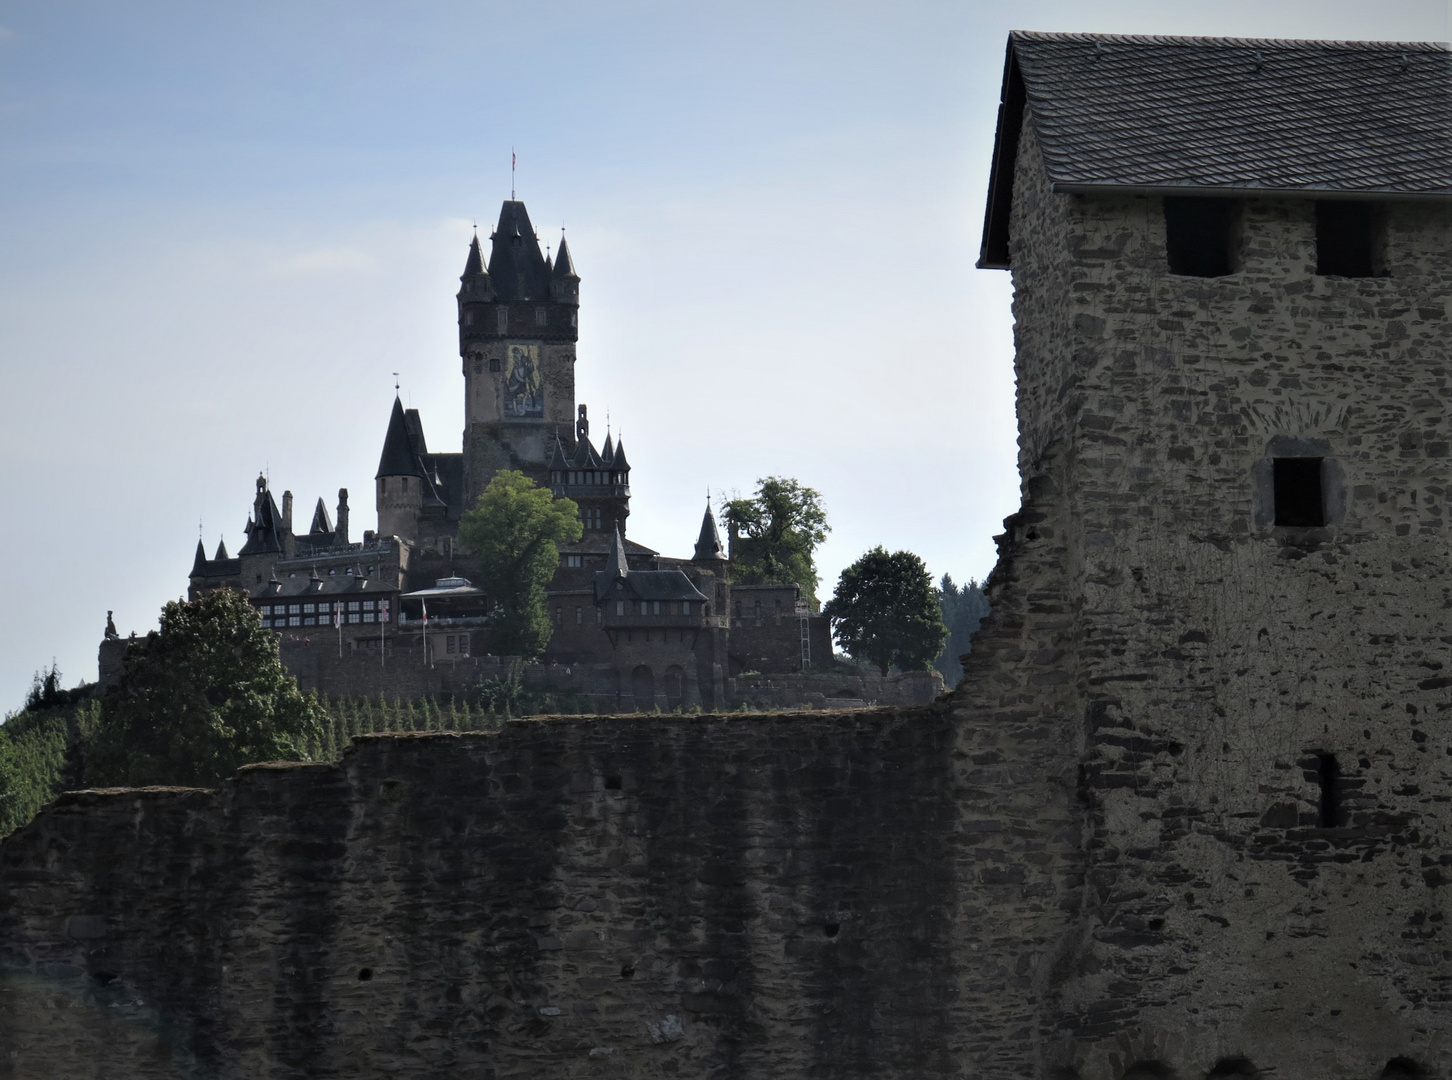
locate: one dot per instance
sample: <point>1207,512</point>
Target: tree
<point>886,611</point>
<point>964,608</point>
<point>775,533</point>
<point>513,530</point>
<point>200,697</point>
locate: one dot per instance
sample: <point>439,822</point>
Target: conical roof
<point>474,265</point>
<point>607,452</point>
<point>559,458</point>
<point>265,529</point>
<point>398,458</point>
<point>199,564</point>
<point>221,548</point>
<point>564,267</point>
<point>618,462</point>
<point>708,543</point>
<point>617,567</point>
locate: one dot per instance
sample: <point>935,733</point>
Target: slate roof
<point>1221,115</point>
<point>516,265</point>
<point>708,543</point>
<point>398,458</point>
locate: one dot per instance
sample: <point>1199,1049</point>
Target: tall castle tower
<point>518,324</point>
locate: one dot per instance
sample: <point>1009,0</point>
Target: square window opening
<point>1330,814</point>
<point>1300,502</point>
<point>1348,239</point>
<point>1201,236</point>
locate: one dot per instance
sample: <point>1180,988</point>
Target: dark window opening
<point>1346,239</point>
<point>627,971</point>
<point>613,783</point>
<point>832,929</point>
<point>1200,236</point>
<point>1401,1068</point>
<point>364,974</point>
<point>1149,1070</point>
<point>1298,496</point>
<point>1233,1068</point>
<point>1328,776</point>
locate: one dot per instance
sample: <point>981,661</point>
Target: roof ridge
<point>1229,42</point>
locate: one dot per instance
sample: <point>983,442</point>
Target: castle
<point>659,632</point>
<point>1187,815</point>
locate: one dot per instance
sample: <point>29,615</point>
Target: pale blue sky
<point>223,226</point>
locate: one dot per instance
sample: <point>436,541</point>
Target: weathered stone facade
<point>1187,815</point>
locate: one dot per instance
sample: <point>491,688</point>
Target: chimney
<point>341,530</point>
<point>287,510</point>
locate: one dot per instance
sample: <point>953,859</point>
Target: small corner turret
<point>564,282</point>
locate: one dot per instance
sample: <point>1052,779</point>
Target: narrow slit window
<point>1298,494</point>
<point>1200,236</point>
<point>1346,239</point>
<point>1328,777</point>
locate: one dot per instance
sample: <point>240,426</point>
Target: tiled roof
<point>1111,112</point>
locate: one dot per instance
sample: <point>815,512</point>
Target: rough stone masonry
<point>1187,815</point>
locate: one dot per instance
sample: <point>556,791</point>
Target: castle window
<point>540,316</point>
<point>405,484</point>
<point>1298,496</point>
<point>574,318</point>
<point>369,616</point>
<point>685,607</point>
<point>573,560</point>
<point>655,607</point>
<point>620,607</point>
<point>559,617</point>
<point>294,620</point>
<point>1346,239</point>
<point>449,645</point>
<point>1328,776</point>
<point>352,605</point>
<point>1200,236</point>
<point>294,609</point>
<point>382,490</point>
<point>309,609</point>
<point>369,605</point>
<point>579,616</point>
<point>468,318</point>
<point>737,609</point>
<point>503,316</point>
<point>495,365</point>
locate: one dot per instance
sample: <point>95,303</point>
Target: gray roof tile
<point>1367,118</point>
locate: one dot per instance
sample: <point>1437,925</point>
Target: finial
<point>513,163</point>
<point>199,528</point>
<point>395,382</point>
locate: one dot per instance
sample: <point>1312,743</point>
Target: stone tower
<point>598,481</point>
<point>1232,291</point>
<point>518,324</point>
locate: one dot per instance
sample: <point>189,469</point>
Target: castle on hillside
<point>662,631</point>
<point>1187,816</point>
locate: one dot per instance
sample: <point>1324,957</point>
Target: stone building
<point>1188,814</point>
<point>518,324</point>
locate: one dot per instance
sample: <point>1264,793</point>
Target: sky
<point>224,226</point>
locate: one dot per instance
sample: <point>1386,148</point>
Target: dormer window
<point>1200,236</point>
<point>1347,239</point>
<point>405,485</point>
<point>468,318</point>
<point>541,316</point>
<point>502,314</point>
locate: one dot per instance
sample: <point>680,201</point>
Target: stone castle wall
<point>1108,847</point>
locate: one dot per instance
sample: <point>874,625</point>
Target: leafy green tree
<point>886,611</point>
<point>514,530</point>
<point>200,697</point>
<point>964,608</point>
<point>775,533</point>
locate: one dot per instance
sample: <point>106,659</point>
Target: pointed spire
<point>564,264</point>
<point>321,522</point>
<point>398,457</point>
<point>199,564</point>
<point>617,567</point>
<point>559,458</point>
<point>474,265</point>
<point>607,453</point>
<point>620,464</point>
<point>708,543</point>
<point>221,548</point>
